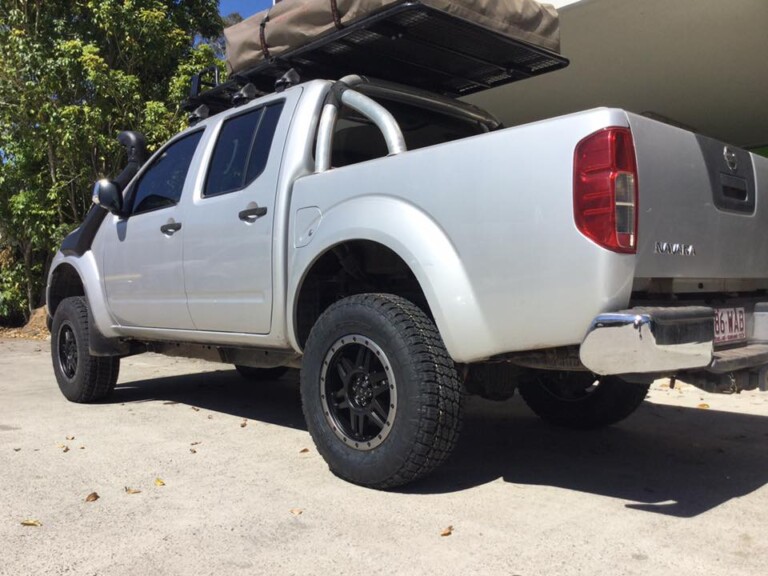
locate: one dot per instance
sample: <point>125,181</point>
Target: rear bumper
<point>650,340</point>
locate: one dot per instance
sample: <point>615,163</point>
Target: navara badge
<point>674,249</point>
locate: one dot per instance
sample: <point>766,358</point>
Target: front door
<point>142,257</point>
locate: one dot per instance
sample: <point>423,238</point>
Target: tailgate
<point>701,215</point>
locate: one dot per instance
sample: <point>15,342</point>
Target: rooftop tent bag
<point>400,40</point>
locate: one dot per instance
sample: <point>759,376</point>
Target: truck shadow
<point>664,459</point>
<point>277,402</point>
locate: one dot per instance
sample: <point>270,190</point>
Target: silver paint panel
<point>486,225</point>
<point>676,206</point>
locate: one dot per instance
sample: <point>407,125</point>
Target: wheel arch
<point>79,276</point>
<point>416,246</point>
<point>65,282</point>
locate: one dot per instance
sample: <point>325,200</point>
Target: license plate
<point>730,325</point>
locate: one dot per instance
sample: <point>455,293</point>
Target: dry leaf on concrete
<point>65,449</point>
<point>31,523</point>
<point>70,437</point>
<point>244,423</point>
<point>159,482</point>
<point>703,406</point>
<point>297,511</point>
<point>303,450</point>
<point>132,491</point>
<point>447,531</point>
<point>192,451</point>
<point>92,497</point>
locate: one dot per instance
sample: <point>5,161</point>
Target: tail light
<point>605,189</point>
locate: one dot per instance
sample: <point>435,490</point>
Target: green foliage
<point>73,74</point>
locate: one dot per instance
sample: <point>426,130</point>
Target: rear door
<point>228,247</point>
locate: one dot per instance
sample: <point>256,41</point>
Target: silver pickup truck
<point>402,248</point>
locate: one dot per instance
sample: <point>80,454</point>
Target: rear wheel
<point>581,400</point>
<point>381,396</point>
<point>81,377</point>
<point>260,374</point>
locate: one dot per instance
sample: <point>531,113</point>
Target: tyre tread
<point>440,392</point>
<point>100,373</point>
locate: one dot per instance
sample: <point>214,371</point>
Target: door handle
<point>251,214</point>
<point>170,228</point>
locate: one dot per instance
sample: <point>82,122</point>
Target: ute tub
<point>648,340</point>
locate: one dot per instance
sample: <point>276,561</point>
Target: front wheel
<point>581,400</point>
<point>81,377</point>
<point>381,395</point>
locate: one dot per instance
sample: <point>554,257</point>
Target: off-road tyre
<point>581,400</point>
<point>260,374</point>
<point>389,357</point>
<point>81,377</point>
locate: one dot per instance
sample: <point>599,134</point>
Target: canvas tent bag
<point>293,23</point>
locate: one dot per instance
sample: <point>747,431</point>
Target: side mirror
<point>107,195</point>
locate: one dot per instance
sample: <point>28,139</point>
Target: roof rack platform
<point>410,43</point>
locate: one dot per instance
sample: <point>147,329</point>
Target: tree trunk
<point>29,280</point>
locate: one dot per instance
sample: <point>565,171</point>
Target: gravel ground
<point>678,488</point>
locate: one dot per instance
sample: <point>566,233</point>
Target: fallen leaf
<point>169,402</point>
<point>447,531</point>
<point>703,405</point>
<point>210,416</point>
<point>92,497</point>
<point>244,423</point>
<point>159,482</point>
<point>303,450</point>
<point>17,449</point>
<point>132,491</point>
<point>31,523</point>
<point>70,437</point>
<point>297,511</point>
<point>193,451</point>
<point>195,443</point>
<point>195,408</point>
<point>65,449</point>
<point>82,447</point>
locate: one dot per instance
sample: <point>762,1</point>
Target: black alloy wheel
<point>381,396</point>
<point>81,376</point>
<point>358,392</point>
<point>67,350</point>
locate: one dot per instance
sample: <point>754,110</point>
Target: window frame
<point>262,108</point>
<point>129,199</point>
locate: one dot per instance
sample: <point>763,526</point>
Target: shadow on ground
<point>664,459</point>
<point>223,391</point>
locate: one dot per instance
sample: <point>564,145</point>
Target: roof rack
<point>411,44</point>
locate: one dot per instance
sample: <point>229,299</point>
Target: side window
<point>242,150</point>
<point>163,182</point>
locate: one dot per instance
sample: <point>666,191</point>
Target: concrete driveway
<point>679,488</point>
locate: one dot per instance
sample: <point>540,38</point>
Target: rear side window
<point>163,182</point>
<point>242,150</point>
